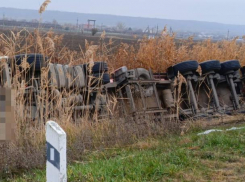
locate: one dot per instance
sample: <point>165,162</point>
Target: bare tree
<point>55,22</point>
<point>121,26</point>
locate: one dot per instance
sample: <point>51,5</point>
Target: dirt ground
<point>76,40</point>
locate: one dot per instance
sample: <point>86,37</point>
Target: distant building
<point>240,41</point>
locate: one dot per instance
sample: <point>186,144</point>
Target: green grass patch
<point>218,156</point>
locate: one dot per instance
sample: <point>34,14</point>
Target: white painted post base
<point>56,153</point>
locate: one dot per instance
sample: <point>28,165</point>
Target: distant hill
<point>133,22</point>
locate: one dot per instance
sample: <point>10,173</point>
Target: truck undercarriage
<point>47,89</point>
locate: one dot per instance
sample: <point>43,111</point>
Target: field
<point>76,40</point>
<point>71,40</point>
<point>214,157</point>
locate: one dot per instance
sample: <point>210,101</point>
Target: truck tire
<point>232,65</point>
<point>211,65</point>
<point>80,81</point>
<point>61,75</point>
<point>36,61</point>
<point>52,76</point>
<point>68,76</point>
<point>143,74</point>
<point>100,67</point>
<point>70,72</point>
<point>243,70</point>
<point>170,73</point>
<point>105,78</point>
<point>185,66</point>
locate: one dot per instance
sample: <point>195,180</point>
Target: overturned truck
<point>217,91</point>
<point>49,90</point>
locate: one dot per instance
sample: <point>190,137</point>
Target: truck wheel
<point>232,65</point>
<point>170,73</point>
<point>104,76</point>
<point>60,73</point>
<point>243,71</point>
<point>185,67</point>
<point>211,65</point>
<point>80,81</point>
<point>54,80</point>
<point>99,67</point>
<point>36,61</point>
<point>143,74</point>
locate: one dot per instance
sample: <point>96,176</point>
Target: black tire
<point>170,73</point>
<point>99,67</point>
<point>185,67</point>
<point>105,78</point>
<point>36,61</point>
<point>232,65</point>
<point>243,70</point>
<point>211,65</point>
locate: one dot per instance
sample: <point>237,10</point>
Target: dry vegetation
<point>160,53</point>
<point>157,54</point>
<point>87,133</point>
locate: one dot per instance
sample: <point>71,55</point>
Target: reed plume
<point>44,6</point>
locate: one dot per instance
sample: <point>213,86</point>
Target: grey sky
<point>223,11</point>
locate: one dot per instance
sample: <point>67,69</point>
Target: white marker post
<point>56,153</point>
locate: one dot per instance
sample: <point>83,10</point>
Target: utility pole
<point>228,34</point>
<point>171,31</point>
<point>77,25</point>
<point>3,18</point>
<point>147,30</point>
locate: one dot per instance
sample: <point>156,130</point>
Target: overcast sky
<point>222,11</point>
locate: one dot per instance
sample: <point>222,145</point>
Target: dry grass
<point>44,6</point>
<point>88,132</point>
<point>218,156</point>
<point>160,53</point>
<point>157,54</point>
